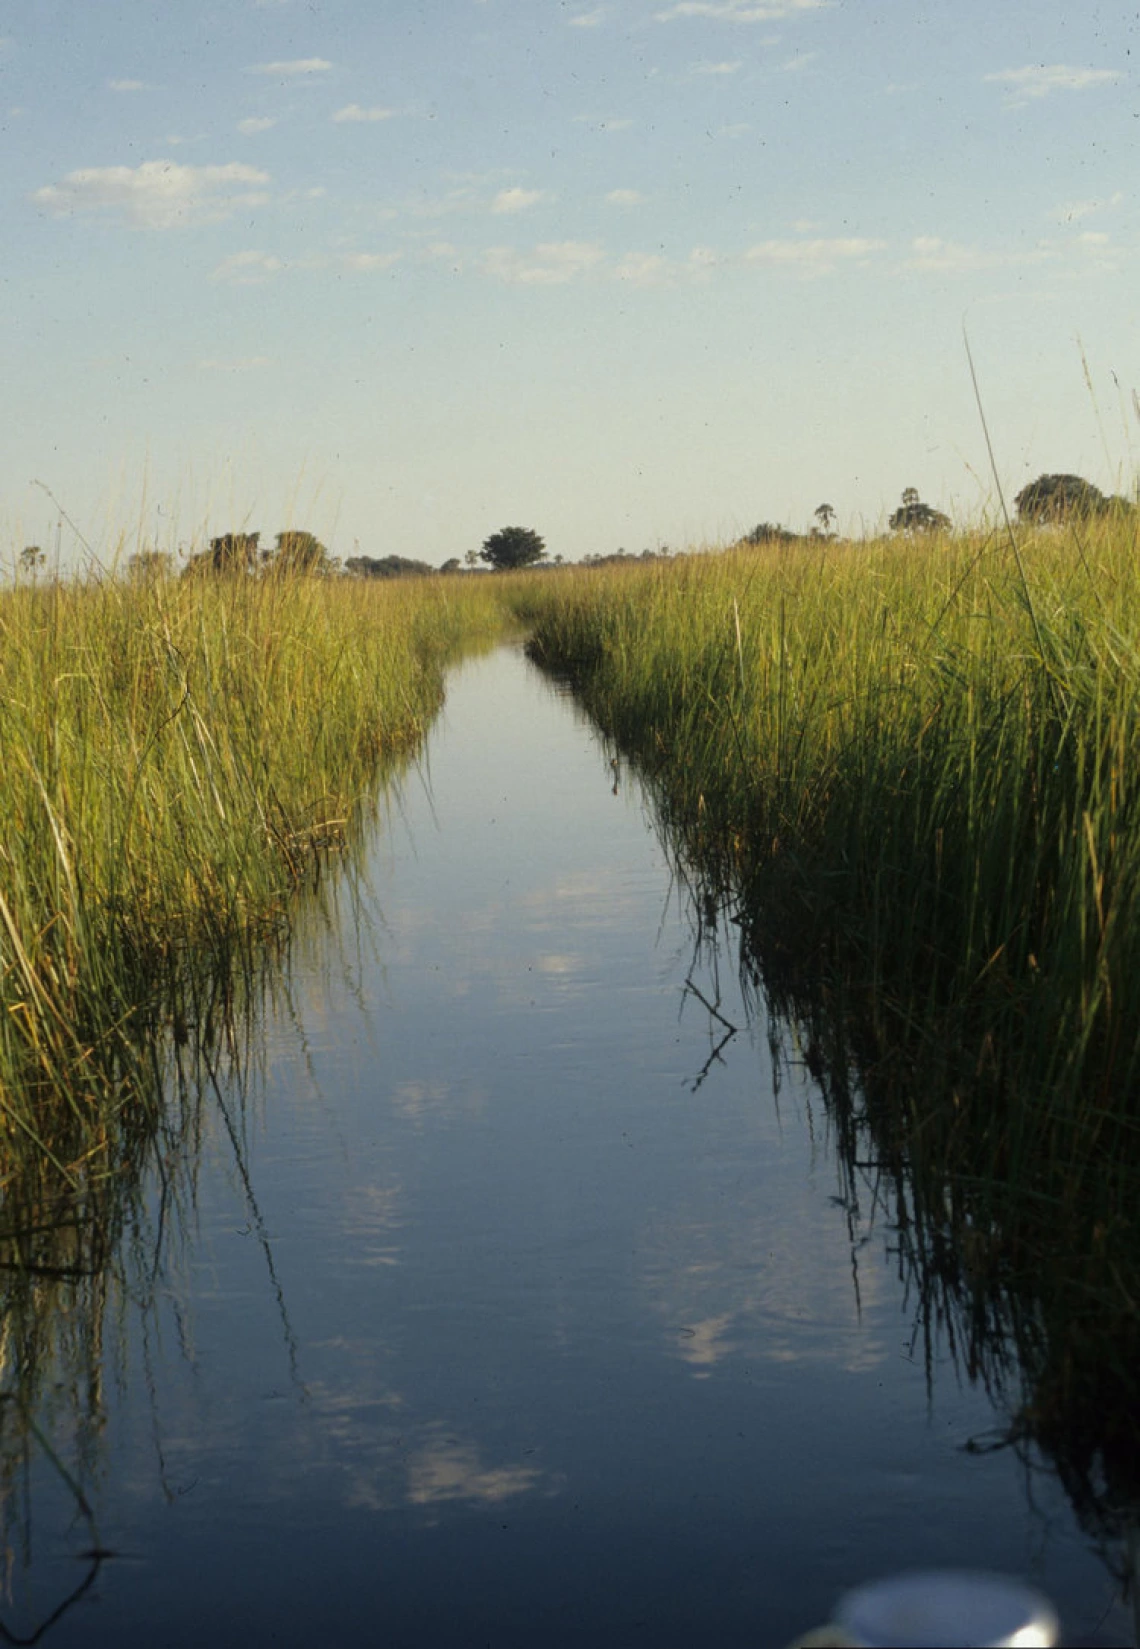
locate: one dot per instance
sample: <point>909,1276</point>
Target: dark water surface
<point>530,1335</point>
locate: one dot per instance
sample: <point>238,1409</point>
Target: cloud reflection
<point>763,1293</point>
<point>446,1470</point>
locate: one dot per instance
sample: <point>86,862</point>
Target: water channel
<point>511,1299</point>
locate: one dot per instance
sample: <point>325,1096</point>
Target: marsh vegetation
<point>908,772</point>
<point>179,756</point>
<point>901,773</point>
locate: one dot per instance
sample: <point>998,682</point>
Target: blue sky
<point>632,272</point>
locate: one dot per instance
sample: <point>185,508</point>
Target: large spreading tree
<point>1060,498</point>
<point>300,552</point>
<point>914,516</point>
<point>511,548</point>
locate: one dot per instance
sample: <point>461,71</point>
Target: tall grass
<point>915,763</point>
<point>180,758</point>
<point>178,755</point>
<point>923,750</point>
<point>910,771</point>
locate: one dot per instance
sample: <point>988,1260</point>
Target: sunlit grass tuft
<point>178,755</point>
<point>918,757</point>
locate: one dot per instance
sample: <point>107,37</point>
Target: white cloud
<point>293,66</point>
<point>437,251</point>
<point>159,194</point>
<point>800,61</point>
<point>1037,80</point>
<point>813,257</point>
<point>739,11</point>
<point>365,262</point>
<point>255,123</point>
<point>353,112</point>
<point>718,68</point>
<point>588,19</point>
<point>465,197</point>
<point>1098,251</point>
<point>625,197</point>
<point>516,200</point>
<point>933,255</point>
<point>1073,211</point>
<point>236,363</point>
<point>645,269</point>
<point>247,268</point>
<point>653,269</point>
<point>553,263</point>
<point>620,123</point>
<point>931,252</point>
<point>126,85</point>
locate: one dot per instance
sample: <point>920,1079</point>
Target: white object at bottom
<point>947,1609</point>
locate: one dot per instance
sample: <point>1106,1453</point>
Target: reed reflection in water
<point>1012,1287</point>
<point>485,1285</point>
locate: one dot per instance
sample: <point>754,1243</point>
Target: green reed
<point>909,772</point>
<point>178,756</point>
<point>919,757</point>
<point>181,758</point>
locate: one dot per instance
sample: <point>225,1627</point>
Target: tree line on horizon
<point>1049,500</point>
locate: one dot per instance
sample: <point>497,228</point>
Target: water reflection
<point>505,1273</point>
<point>1033,1301</point>
<point>447,1469</point>
<point>81,1248</point>
<point>99,1245</point>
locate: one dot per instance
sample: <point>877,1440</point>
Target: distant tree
<point>231,554</point>
<point>387,566</point>
<point>234,552</point>
<point>301,552</point>
<point>767,532</point>
<point>511,548</point>
<point>472,560</point>
<point>825,515</point>
<point>150,565</point>
<point>31,559</point>
<point>452,565</point>
<point>915,516</point>
<point>1061,498</point>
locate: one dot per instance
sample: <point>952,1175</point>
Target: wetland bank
<point>558,1211</point>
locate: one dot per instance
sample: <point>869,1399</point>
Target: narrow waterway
<point>508,1302</point>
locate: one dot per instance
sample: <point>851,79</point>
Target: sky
<point>630,274</point>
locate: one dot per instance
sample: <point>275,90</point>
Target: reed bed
<point>926,748</point>
<point>910,768</point>
<point>179,756</point>
<point>181,760</point>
